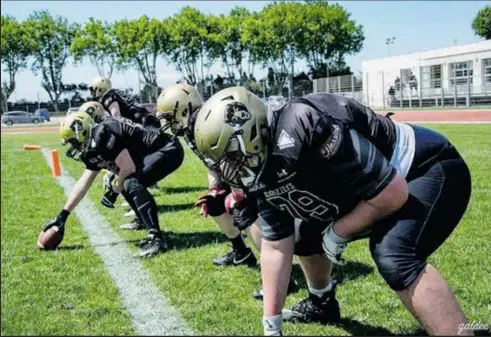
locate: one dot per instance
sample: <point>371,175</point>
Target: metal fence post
<point>368,99</point>
<point>339,84</point>
<point>443,94</point>
<point>420,91</point>
<point>401,95</point>
<point>352,85</point>
<point>383,89</point>
<point>327,84</point>
<point>315,85</point>
<point>468,96</point>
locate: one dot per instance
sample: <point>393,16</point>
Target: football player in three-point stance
<point>116,103</point>
<point>349,174</point>
<point>139,156</point>
<point>177,107</point>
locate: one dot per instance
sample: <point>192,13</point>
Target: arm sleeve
<point>110,97</point>
<point>359,167</point>
<point>275,225</point>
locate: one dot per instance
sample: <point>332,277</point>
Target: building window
<point>487,71</point>
<point>459,72</point>
<point>432,76</point>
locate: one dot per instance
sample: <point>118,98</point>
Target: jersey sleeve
<point>110,144</point>
<point>359,167</point>
<point>299,127</point>
<point>275,224</point>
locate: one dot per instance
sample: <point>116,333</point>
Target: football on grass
<point>50,239</point>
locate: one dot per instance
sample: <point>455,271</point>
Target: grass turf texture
<point>49,293</point>
<point>216,300</point>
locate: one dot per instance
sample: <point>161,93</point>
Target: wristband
<point>63,215</point>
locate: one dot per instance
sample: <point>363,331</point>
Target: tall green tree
<point>15,49</point>
<point>273,37</point>
<point>232,48</point>
<point>195,43</point>
<point>138,43</point>
<point>50,40</point>
<point>482,23</point>
<point>329,35</point>
<point>94,41</point>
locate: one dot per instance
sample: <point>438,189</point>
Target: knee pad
<point>399,269</point>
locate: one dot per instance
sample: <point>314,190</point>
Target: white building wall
<point>379,75</point>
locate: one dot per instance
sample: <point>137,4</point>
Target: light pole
<point>388,42</point>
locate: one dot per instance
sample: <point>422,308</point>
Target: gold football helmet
<point>75,131</point>
<point>231,131</point>
<point>99,86</point>
<point>175,105</point>
<point>94,109</point>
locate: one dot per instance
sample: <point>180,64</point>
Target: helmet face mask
<point>75,131</point>
<point>231,131</point>
<point>239,168</point>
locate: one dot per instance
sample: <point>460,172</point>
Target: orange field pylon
<point>55,163</point>
<point>28,147</point>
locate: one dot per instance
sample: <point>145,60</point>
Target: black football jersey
<point>128,107</point>
<point>114,134</point>
<point>327,154</point>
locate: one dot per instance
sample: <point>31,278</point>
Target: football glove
<point>212,203</point>
<point>334,245</point>
<point>107,181</point>
<point>272,325</point>
<point>234,200</point>
<point>245,214</point>
<point>59,221</point>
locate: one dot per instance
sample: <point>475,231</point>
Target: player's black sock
<point>145,204</point>
<point>238,243</point>
<point>132,205</point>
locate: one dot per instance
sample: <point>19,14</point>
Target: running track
<point>437,116</point>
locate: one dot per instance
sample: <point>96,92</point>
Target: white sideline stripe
<point>151,312</point>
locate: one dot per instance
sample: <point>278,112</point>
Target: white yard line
<point>151,312</point>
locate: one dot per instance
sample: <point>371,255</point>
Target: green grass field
<point>68,291</point>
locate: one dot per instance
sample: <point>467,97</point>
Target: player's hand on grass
<point>212,203</point>
<point>334,246</point>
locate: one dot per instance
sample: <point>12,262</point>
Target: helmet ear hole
<point>253,133</point>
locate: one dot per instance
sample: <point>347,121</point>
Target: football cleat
<point>152,245</point>
<point>236,258</point>
<point>316,309</point>
<point>129,214</point>
<point>134,225</point>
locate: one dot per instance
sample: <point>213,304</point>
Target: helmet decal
<point>236,114</point>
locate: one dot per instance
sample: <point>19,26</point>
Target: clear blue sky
<point>416,25</point>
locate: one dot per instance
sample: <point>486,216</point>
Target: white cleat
<point>130,214</point>
<point>125,204</point>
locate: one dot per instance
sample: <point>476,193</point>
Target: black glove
<point>245,213</point>
<point>212,203</point>
<point>59,221</point>
<point>109,198</point>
